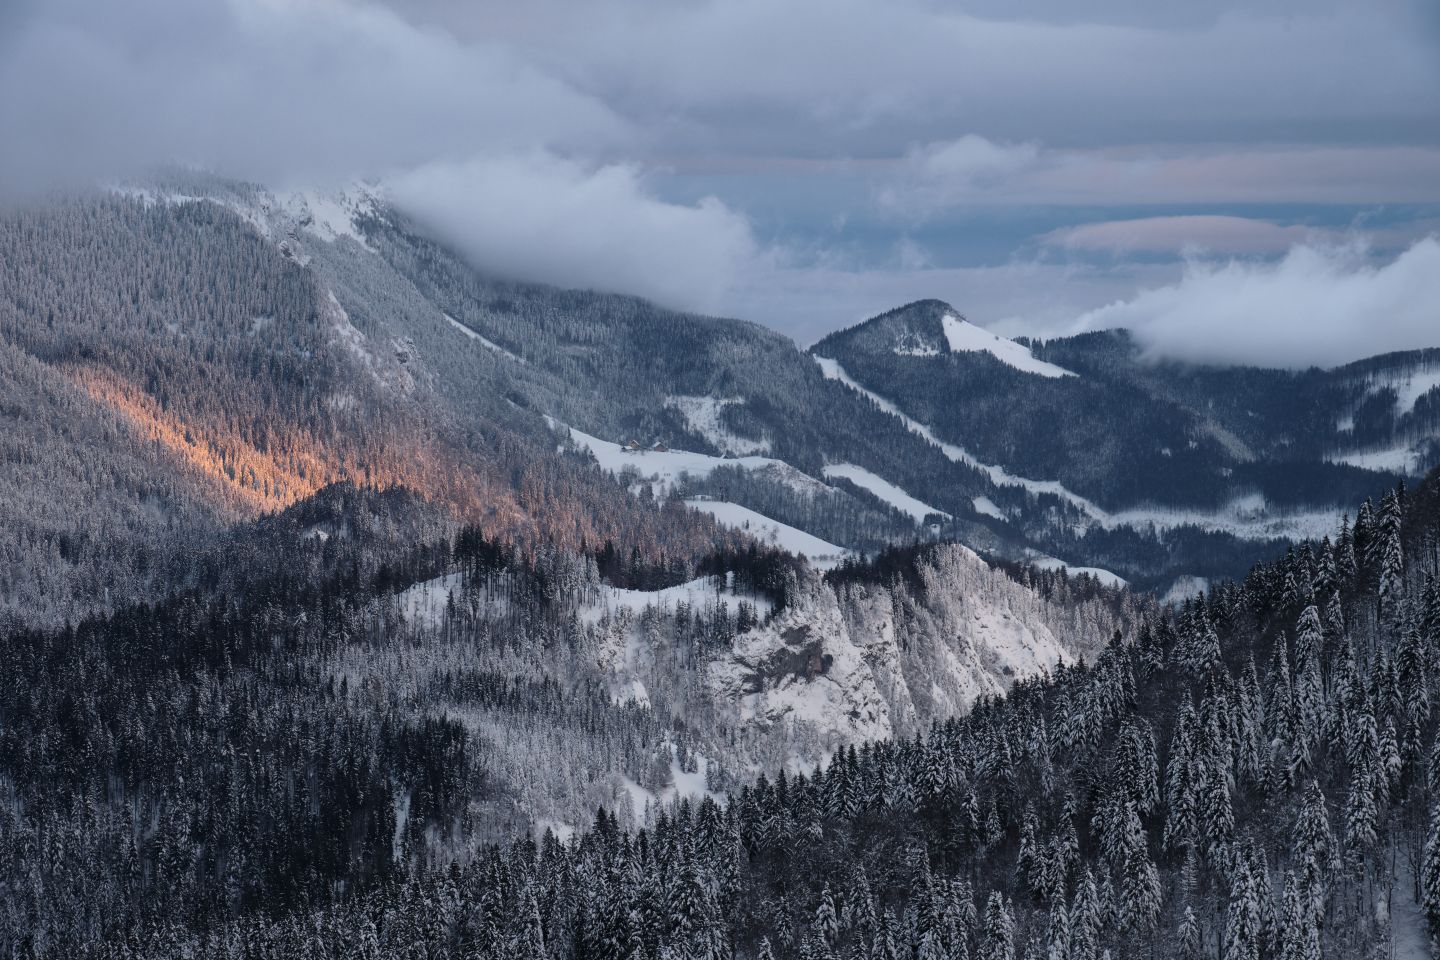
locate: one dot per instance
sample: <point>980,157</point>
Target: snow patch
<point>664,468</point>
<point>562,831</point>
<point>821,553</point>
<point>1184,588</point>
<point>683,784</point>
<point>884,489</point>
<point>427,603</point>
<point>986,507</point>
<point>965,337</point>
<point>1402,458</point>
<point>330,216</point>
<point>1416,385</point>
<point>1099,573</point>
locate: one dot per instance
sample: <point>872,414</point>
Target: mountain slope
<point>175,369</point>
<point>197,351</point>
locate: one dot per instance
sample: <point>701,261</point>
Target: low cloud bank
<point>1315,306</point>
<point>535,216</point>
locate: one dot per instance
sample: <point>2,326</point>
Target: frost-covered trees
<point>326,754</point>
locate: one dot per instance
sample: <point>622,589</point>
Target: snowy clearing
<point>986,507</point>
<point>774,532</point>
<point>883,489</point>
<point>562,831</point>
<point>1409,385</point>
<point>1184,588</point>
<point>1397,459</point>
<point>702,415</point>
<point>1419,383</point>
<point>427,603</point>
<point>330,216</point>
<point>663,468</point>
<point>691,786</point>
<point>965,337</point>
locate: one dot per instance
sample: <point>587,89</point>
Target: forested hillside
<point>328,706</point>
<point>173,369</point>
<point>1249,775</point>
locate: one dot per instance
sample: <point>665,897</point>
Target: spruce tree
<point>998,941</point>
<point>1242,920</point>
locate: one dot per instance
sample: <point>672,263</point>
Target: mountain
<point>171,368</point>
<point>194,352</point>
<point>1104,437</point>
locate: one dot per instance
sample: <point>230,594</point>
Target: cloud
<point>536,216</point>
<point>942,174</point>
<point>974,171</point>
<point>1206,234</point>
<point>297,90</point>
<point>1316,306</point>
<point>1020,297</point>
<point>799,77</point>
<point>1173,235</point>
<point>801,112</point>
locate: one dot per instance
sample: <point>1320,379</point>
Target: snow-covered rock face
<point>832,669</point>
<point>971,632</point>
<point>803,670</point>
<point>883,660</point>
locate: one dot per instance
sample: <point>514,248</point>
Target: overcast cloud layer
<point>808,162</point>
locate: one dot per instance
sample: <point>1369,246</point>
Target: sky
<point>1252,181</point>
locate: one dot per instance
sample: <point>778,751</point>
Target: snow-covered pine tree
<point>1188,938</point>
<point>998,940</point>
<point>1243,928</point>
